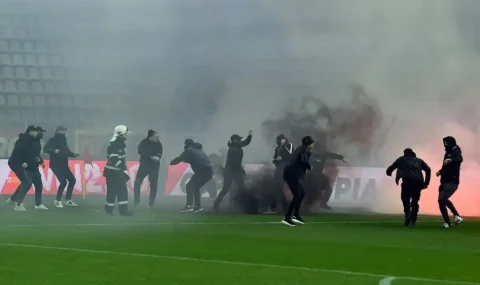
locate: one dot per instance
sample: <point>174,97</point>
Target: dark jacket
<point>116,155</point>
<point>285,152</point>
<point>196,157</point>
<point>299,163</point>
<point>450,172</point>
<point>60,159</point>
<point>27,149</point>
<point>148,148</point>
<point>409,169</point>
<point>319,159</point>
<point>235,155</point>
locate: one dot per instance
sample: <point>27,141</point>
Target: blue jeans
<point>27,178</point>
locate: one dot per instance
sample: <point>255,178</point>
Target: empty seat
<point>28,47</point>
<point>4,46</point>
<point>18,59</point>
<point>75,73</point>
<point>56,60</point>
<point>59,73</point>
<point>16,46</point>
<point>54,117</point>
<point>63,88</point>
<point>1,87</point>
<point>49,87</point>
<point>39,101</point>
<point>47,73</point>
<point>53,102</point>
<point>7,32</point>
<point>75,88</point>
<point>28,116</point>
<point>8,72</point>
<point>37,87</point>
<point>66,102</point>
<point>20,72</point>
<point>5,59</point>
<point>41,117</point>
<point>34,73</point>
<point>20,33</point>
<point>3,101</point>
<point>41,48</point>
<point>43,60</point>
<point>23,87</point>
<point>30,59</point>
<point>26,101</point>
<point>12,101</point>
<point>10,86</point>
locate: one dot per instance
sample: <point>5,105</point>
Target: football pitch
<point>83,246</point>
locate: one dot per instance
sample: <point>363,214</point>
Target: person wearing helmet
<point>233,167</point>
<point>282,155</point>
<point>450,178</point>
<point>201,165</point>
<point>294,174</point>
<point>409,169</point>
<point>114,172</point>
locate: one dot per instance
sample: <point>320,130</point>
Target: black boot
<point>123,208</point>
<point>109,210</point>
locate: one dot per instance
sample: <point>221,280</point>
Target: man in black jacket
<point>59,152</point>
<point>282,155</point>
<point>409,169</point>
<point>201,165</point>
<point>233,167</point>
<point>150,150</point>
<point>294,174</point>
<point>450,178</point>
<point>24,162</point>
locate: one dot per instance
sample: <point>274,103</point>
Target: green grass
<point>68,247</point>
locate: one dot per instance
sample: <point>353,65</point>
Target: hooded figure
<point>201,166</point>
<point>282,154</point>
<point>59,152</point>
<point>294,174</point>
<point>150,150</point>
<point>449,180</point>
<point>409,169</point>
<point>233,167</point>
<point>114,172</point>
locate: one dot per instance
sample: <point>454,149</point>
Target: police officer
<point>233,167</point>
<point>409,169</point>
<point>281,156</point>
<point>450,178</point>
<point>202,172</point>
<point>150,150</point>
<point>294,174</point>
<point>114,172</point>
<point>59,153</point>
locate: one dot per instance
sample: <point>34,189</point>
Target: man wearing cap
<point>409,169</point>
<point>201,165</point>
<point>59,152</point>
<point>233,167</point>
<point>24,162</point>
<point>294,174</point>
<point>150,150</point>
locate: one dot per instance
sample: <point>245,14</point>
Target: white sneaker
<point>9,201</point>
<point>458,219</point>
<point>41,207</point>
<point>70,203</point>
<point>58,204</point>
<point>446,226</point>
<point>20,208</point>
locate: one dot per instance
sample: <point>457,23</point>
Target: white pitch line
<point>387,281</point>
<point>238,263</point>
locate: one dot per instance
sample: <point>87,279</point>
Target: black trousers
<point>64,176</point>
<point>445,192</point>
<point>27,178</point>
<point>152,173</point>
<point>229,177</point>
<point>116,191</point>
<point>298,192</point>
<point>411,192</point>
<point>193,186</point>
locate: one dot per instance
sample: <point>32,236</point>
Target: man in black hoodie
<point>450,178</point>
<point>409,169</point>
<point>150,150</point>
<point>294,174</point>
<point>59,152</point>
<point>282,155</point>
<point>201,165</point>
<point>24,162</point>
<point>233,167</point>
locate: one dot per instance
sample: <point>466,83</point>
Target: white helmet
<point>120,131</point>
